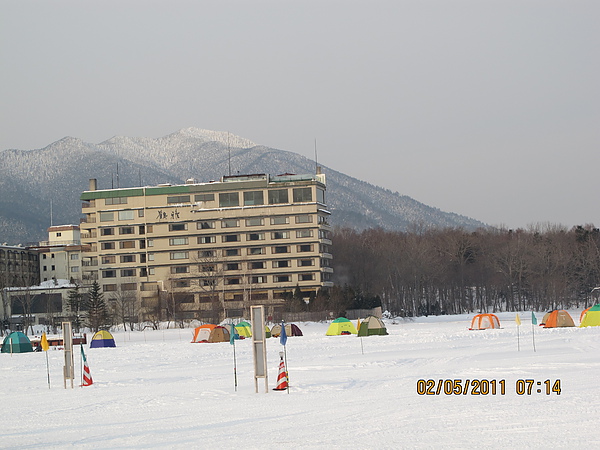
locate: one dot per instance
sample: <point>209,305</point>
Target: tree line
<point>455,271</point>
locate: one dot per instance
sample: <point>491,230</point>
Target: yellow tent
<point>341,325</point>
<point>592,317</point>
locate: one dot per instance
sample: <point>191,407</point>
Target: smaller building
<point>44,304</point>
<point>60,255</point>
<point>18,266</point>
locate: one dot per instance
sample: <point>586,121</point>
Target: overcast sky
<point>489,109</point>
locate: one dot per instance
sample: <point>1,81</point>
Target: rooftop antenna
<point>140,175</point>
<point>51,220</point>
<point>118,176</point>
<point>112,180</point>
<point>229,153</point>
<point>316,159</point>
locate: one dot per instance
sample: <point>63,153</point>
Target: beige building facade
<point>209,250</point>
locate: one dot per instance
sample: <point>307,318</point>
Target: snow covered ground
<point>158,390</point>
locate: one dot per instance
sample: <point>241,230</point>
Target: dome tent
<point>102,338</point>
<point>485,321</point>
<point>591,318</point>
<point>372,325</point>
<point>557,319</point>
<point>291,329</point>
<point>16,342</point>
<point>341,325</point>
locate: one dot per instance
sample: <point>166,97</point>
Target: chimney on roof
<point>93,184</point>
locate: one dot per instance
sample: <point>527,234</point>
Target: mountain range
<point>42,187</point>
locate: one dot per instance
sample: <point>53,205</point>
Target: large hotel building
<point>209,249</point>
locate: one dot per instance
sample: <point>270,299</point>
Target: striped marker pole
<point>87,376</point>
<point>282,381</point>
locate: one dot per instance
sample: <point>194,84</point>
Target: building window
<point>178,199</point>
<point>206,254</point>
<point>127,258</point>
<point>324,234</point>
<point>304,218</point>
<point>107,245</point>
<point>53,268</point>
<point>280,235</point>
<point>74,256</point>
<point>280,220</point>
<point>302,195</point>
<point>107,231</point>
<point>230,223</point>
<point>258,279</point>
<point>207,268</point>
<point>109,287</point>
<point>231,238</point>
<point>324,248</point>
<point>320,196</point>
<point>178,241</point>
<point>126,215</point>
<point>281,249</point>
<point>184,284</point>
<point>180,269</point>
<point>277,196</point>
<point>229,199</point>
<point>204,197</point>
<point>305,262</point>
<point>129,287</point>
<point>205,224</point>
<point>140,213</point>
<point>280,264</point>
<point>107,216</point>
<point>255,222</point>
<point>109,274</point>
<point>306,276</point>
<point>255,237</point>
<point>254,265</point>
<point>45,268</point>
<point>305,248</point>
<point>127,244</point>
<point>150,256</point>
<point>232,252</point>
<point>281,278</point>
<point>108,259</point>
<point>304,233</point>
<point>232,281</point>
<point>75,269</point>
<point>179,255</point>
<point>43,256</point>
<point>206,240</point>
<point>126,230</point>
<point>177,226</point>
<point>128,272</point>
<point>232,266</point>
<point>253,198</point>
<point>256,251</point>
<point>116,201</point>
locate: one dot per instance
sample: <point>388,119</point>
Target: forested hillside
<point>40,186</point>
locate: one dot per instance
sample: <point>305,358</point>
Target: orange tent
<point>202,333</point>
<point>558,318</point>
<point>484,321</point>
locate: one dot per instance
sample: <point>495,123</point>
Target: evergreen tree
<point>76,305</point>
<point>96,306</point>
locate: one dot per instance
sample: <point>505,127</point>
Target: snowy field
<point>158,390</point>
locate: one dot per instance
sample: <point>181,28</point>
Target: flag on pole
<point>533,319</point>
<point>232,335</point>
<point>282,336</point>
<point>87,377</point>
<point>44,342</point>
<point>518,319</point>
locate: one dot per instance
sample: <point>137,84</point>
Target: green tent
<point>243,329</point>
<point>592,317</point>
<point>370,326</point>
<point>16,342</point>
